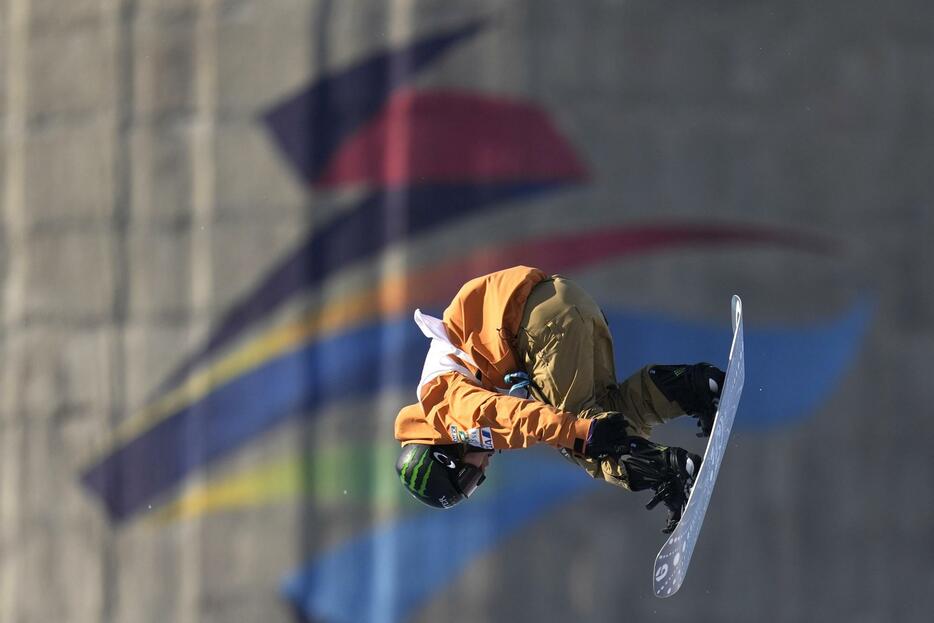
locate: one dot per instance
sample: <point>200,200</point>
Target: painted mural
<point>424,161</point>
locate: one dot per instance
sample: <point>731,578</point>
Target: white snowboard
<point>673,559</point>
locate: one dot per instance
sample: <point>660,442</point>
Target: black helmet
<point>438,475</point>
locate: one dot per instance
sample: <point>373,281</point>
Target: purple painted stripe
<point>311,125</point>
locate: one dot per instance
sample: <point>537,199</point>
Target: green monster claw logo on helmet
<point>438,475</point>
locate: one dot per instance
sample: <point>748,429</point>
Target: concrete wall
<point>147,203</point>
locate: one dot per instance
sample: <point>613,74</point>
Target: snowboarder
<point>521,358</point>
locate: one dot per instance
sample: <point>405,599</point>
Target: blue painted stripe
<point>348,365</point>
<point>383,576</point>
<point>788,372</point>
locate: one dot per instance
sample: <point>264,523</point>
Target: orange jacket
<point>482,321</point>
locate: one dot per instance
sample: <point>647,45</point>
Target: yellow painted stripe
<point>331,476</point>
<point>394,295</point>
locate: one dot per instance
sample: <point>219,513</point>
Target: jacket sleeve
<point>452,400</point>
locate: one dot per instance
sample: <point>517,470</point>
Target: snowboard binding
<point>669,472</point>
<point>695,387</point>
<point>674,494</point>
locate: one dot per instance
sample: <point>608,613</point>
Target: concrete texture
<point>142,198</point>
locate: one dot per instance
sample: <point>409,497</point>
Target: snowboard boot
<point>696,388</point>
<point>668,472</point>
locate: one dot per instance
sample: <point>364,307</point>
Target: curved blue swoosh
<point>789,370</point>
<point>384,575</point>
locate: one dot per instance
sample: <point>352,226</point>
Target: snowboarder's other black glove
<point>607,436</point>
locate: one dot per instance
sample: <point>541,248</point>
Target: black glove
<point>608,435</point>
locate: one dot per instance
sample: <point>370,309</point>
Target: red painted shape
<point>453,137</point>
